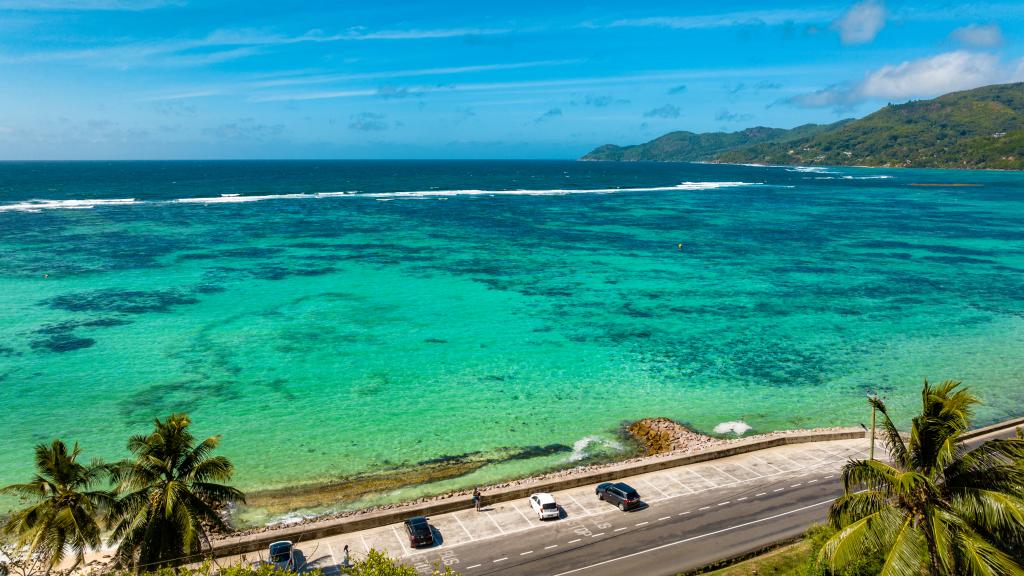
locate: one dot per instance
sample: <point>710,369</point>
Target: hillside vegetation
<point>980,128</point>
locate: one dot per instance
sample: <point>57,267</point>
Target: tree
<point>938,508</point>
<point>169,495</point>
<point>62,516</point>
<point>379,564</point>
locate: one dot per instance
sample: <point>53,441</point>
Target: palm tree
<point>169,495</point>
<point>938,508</point>
<point>63,514</point>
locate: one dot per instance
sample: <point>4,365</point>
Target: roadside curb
<point>317,530</point>
<point>998,427</point>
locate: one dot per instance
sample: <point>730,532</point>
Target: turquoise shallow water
<point>418,318</point>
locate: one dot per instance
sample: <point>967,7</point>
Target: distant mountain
<point>691,147</point>
<point>980,128</point>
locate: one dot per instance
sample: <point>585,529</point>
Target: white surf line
<point>692,538</point>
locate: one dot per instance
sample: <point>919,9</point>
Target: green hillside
<point>980,128</point>
<point>688,146</point>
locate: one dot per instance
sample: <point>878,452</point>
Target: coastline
<point>657,437</point>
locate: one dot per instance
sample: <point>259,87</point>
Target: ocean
<point>333,320</point>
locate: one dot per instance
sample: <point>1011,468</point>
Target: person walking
<point>476,499</point>
<point>345,562</point>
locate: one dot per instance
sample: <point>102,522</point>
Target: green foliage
<point>939,508</point>
<point>63,511</point>
<point>869,564</point>
<point>170,493</point>
<point>980,128</point>
<point>379,564</point>
<point>687,146</point>
<point>210,569</point>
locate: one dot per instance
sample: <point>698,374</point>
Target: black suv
<point>420,534</point>
<point>621,494</point>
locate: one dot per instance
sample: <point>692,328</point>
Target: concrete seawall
<point>315,530</point>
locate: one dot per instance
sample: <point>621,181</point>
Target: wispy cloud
<point>667,111</point>
<point>983,36</point>
<point>87,5</point>
<point>201,51</point>
<point>725,115</point>
<point>725,20</point>
<point>861,22</point>
<point>549,115</point>
<point>368,122</point>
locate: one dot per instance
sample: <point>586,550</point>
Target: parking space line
<point>405,551</point>
<point>334,561</point>
<point>754,472</point>
<point>523,515</point>
<point>704,478</point>
<point>464,529</point>
<point>366,547</point>
<point>584,508</point>
<point>724,472</point>
<point>681,485</point>
<point>495,522</point>
<point>766,463</point>
<point>648,482</point>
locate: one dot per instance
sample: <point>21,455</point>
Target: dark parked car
<point>420,534</point>
<point>282,555</point>
<point>621,494</point>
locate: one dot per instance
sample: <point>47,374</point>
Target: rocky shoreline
<point>653,436</point>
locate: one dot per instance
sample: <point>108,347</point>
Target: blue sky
<point>241,79</point>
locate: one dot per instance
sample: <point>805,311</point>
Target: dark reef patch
<point>62,343</point>
<point>124,301</point>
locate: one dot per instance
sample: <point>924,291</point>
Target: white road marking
<point>500,560</point>
<point>741,499</point>
<point>550,547</point>
<point>334,560</point>
<point>655,487</point>
<point>692,538</point>
<point>464,529</point>
<point>797,484</point>
<point>584,508</point>
<point>778,490</point>
<point>473,566</point>
<point>724,472</point>
<point>405,550</point>
<point>523,515</point>
<point>705,507</point>
<point>664,518</point>
<point>596,535</point>
<point>642,523</point>
<point>575,541</point>
<point>723,503</point>
<point>525,553</point>
<point>759,494</point>
<point>684,513</point>
<point>620,529</point>
<point>681,485</point>
<point>495,522</point>
<point>812,481</point>
<point>754,472</point>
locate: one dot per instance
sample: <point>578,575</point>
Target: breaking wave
<point>737,427</point>
<point>38,205</point>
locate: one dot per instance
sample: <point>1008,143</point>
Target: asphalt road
<point>666,537</point>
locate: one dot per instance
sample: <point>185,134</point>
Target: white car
<point>544,505</point>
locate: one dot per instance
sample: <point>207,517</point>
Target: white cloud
<point>925,77</point>
<point>978,35</point>
<point>947,72</point>
<point>861,22</point>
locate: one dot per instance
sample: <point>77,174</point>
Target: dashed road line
<point>596,535</point>
<point>704,507</point>
<point>798,484</point>
<point>551,546</point>
<point>723,503</point>
<point>741,499</point>
<point>473,566</point>
<point>663,518</point>
<point>684,513</point>
<point>575,541</point>
<point>759,494</point>
<point>500,559</point>
<point>778,490</point>
<point>811,481</point>
<point>642,523</point>
<point>620,529</point>
<point>525,553</point>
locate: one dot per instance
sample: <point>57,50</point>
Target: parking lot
<point>463,537</point>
